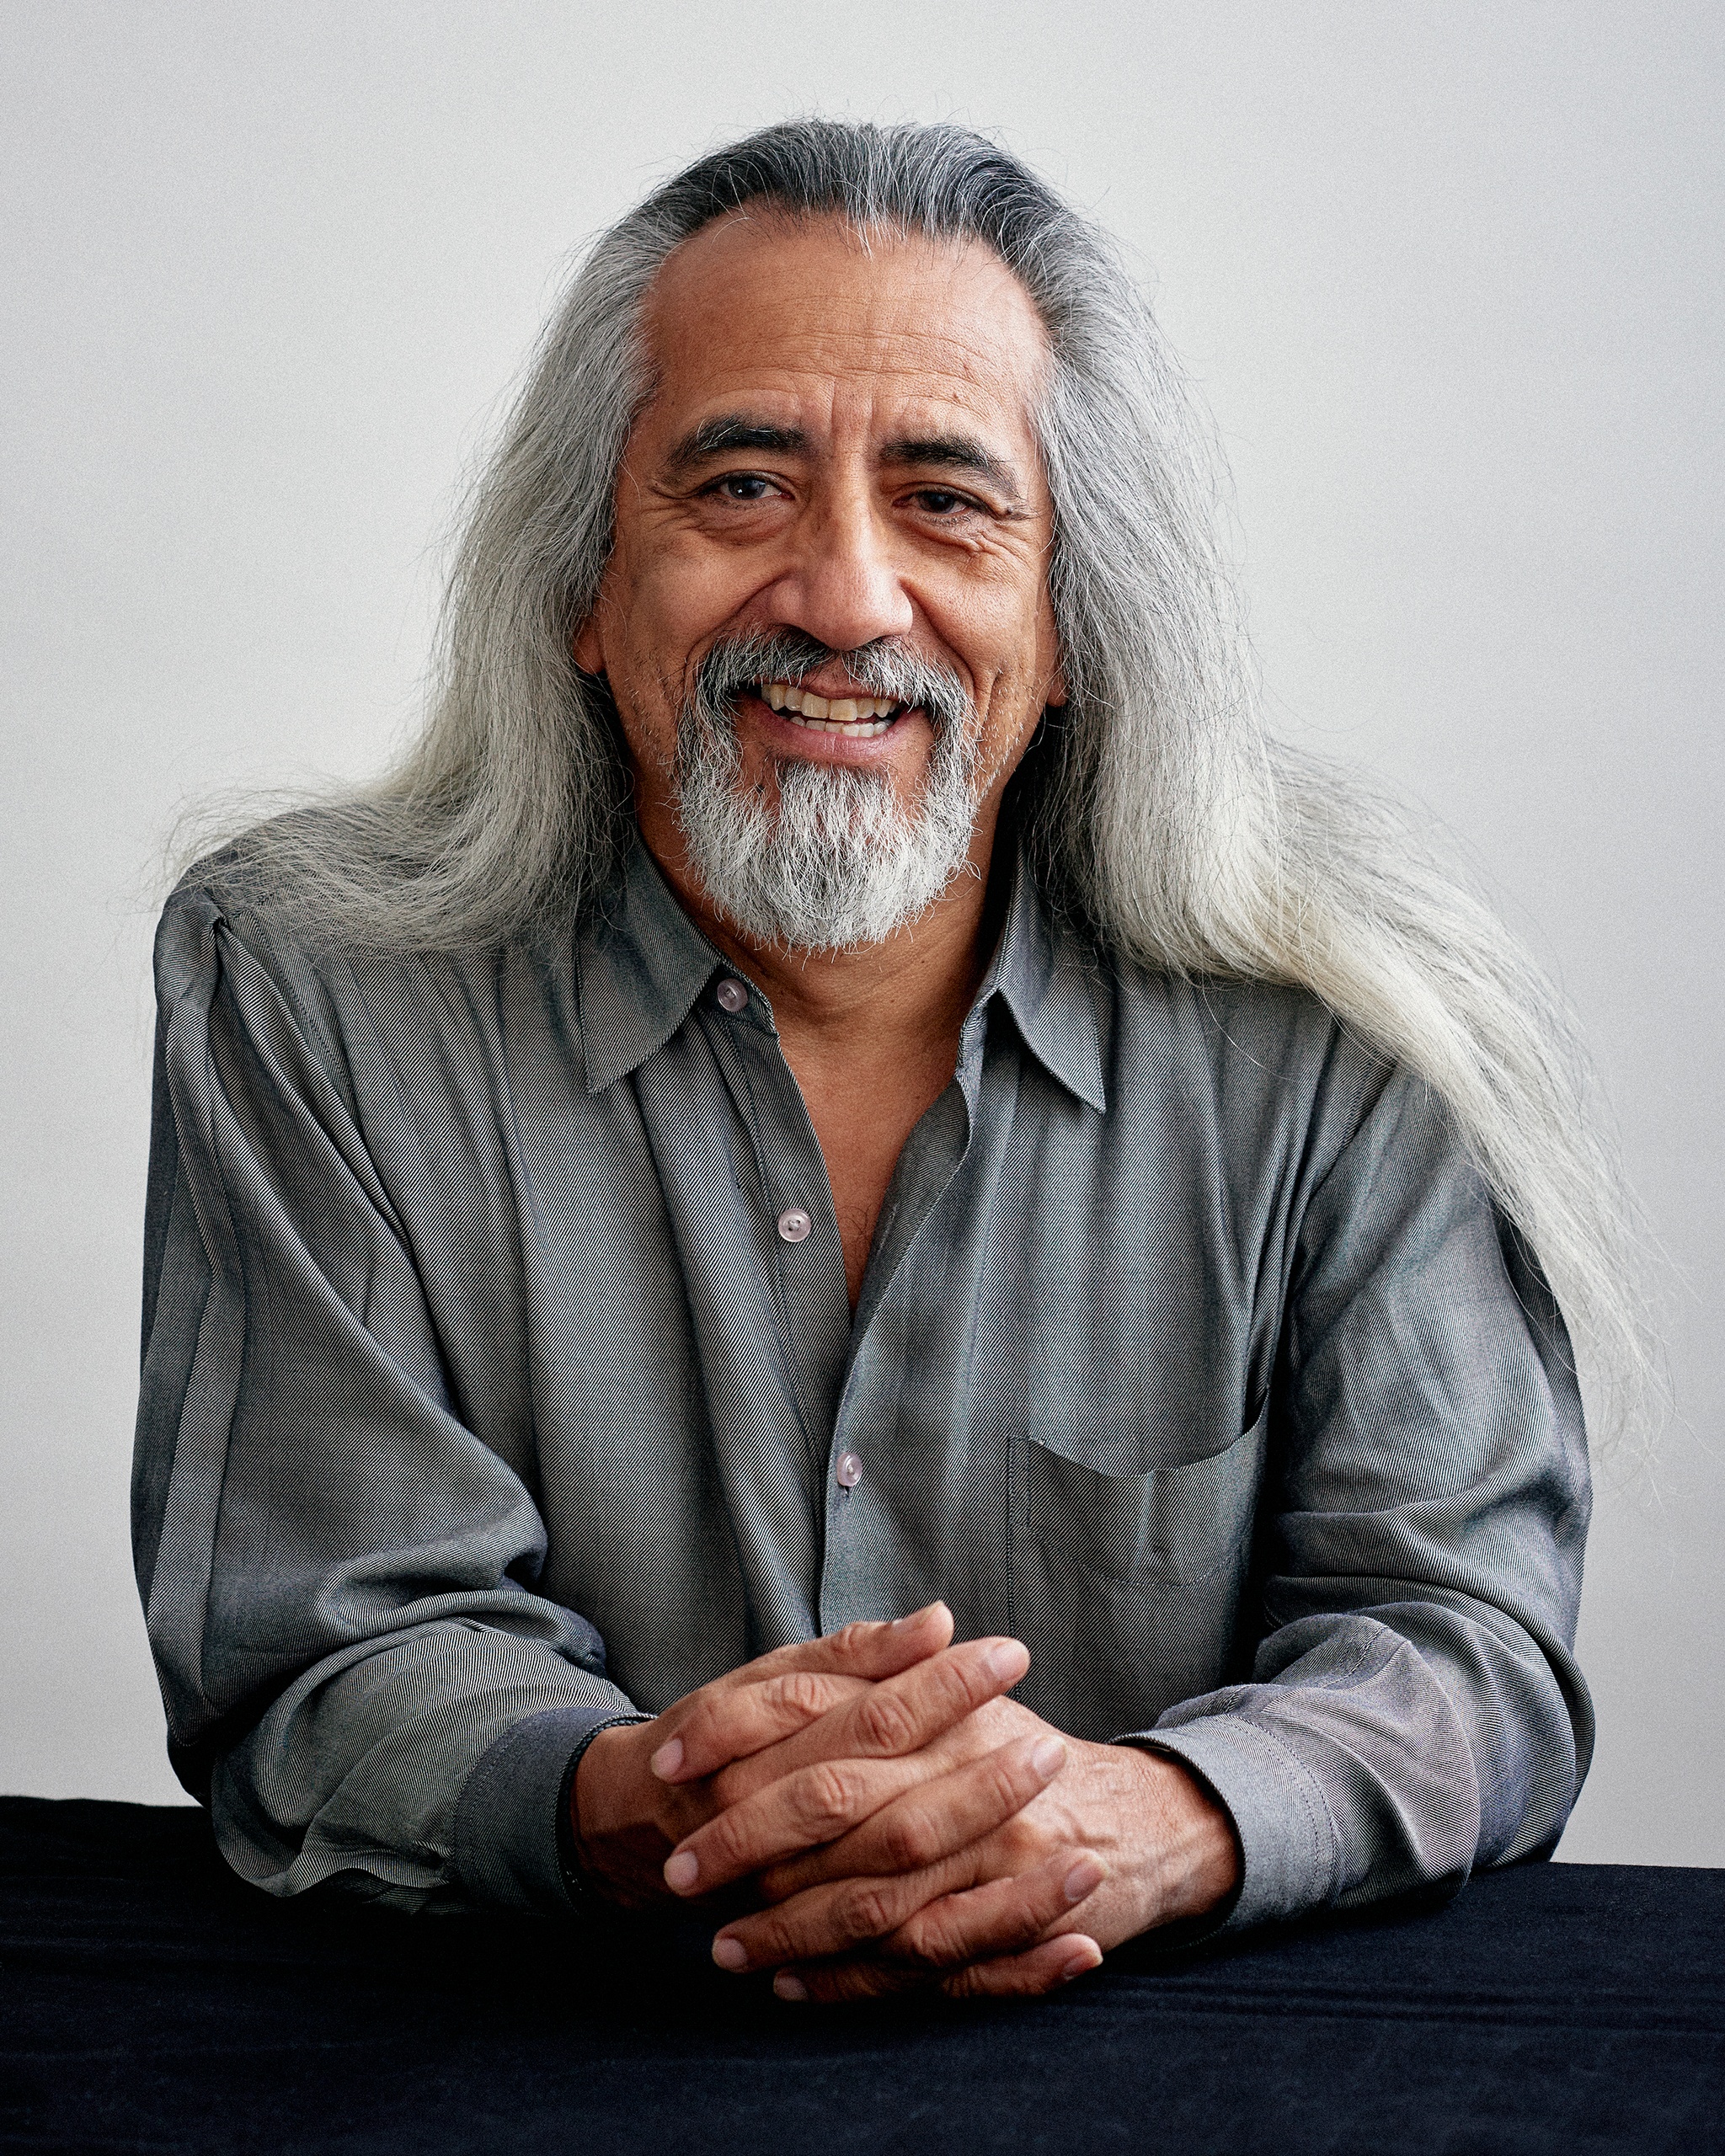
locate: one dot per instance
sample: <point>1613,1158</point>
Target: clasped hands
<point>886,1818</point>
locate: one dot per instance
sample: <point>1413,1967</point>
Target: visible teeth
<point>855,716</point>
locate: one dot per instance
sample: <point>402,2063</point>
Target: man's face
<point>839,455</point>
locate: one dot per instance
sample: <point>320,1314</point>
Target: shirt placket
<point>798,1234</point>
<point>864,1566</point>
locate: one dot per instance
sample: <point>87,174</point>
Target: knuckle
<point>803,1693</point>
<point>935,1935</point>
<point>1006,1779</point>
<point>772,1941</point>
<point>885,1723</point>
<point>909,1840</point>
<point>960,1682</point>
<point>825,1793</point>
<point>865,1910</point>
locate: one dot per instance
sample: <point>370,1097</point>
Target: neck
<point>915,988</point>
<point>871,1036</point>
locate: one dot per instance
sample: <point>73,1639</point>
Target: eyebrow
<point>732,433</point>
<point>954,453</point>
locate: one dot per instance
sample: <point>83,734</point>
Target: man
<point>848,1259</point>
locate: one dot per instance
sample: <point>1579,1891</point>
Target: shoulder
<point>263,943</point>
<point>1245,1039</point>
<point>221,921</point>
<point>1253,1084</point>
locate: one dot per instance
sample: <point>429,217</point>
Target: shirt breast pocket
<point>1127,1587</point>
<point>1185,1522</point>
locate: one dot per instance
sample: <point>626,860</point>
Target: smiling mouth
<point>856,718</point>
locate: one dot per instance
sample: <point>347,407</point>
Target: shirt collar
<point>1048,978</point>
<point>641,962</point>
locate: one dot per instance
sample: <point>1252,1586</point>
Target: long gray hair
<point>1159,813</point>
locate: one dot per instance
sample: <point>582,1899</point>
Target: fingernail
<point>667,1758</point>
<point>681,1870</point>
<point>1084,1878</point>
<point>785,1985</point>
<point>1048,1758</point>
<point>916,1617</point>
<point>731,1953</point>
<point>1005,1658</point>
<point>1082,1962</point>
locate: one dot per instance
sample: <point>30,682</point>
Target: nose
<point>842,585</point>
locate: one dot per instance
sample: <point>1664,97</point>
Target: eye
<point>942,501</point>
<point>740,487</point>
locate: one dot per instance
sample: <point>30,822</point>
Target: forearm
<point>423,1772</point>
<point>1384,1751</point>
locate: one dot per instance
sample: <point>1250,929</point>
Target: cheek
<point>1005,623</point>
<point>674,610</point>
<point>649,654</point>
<point>1014,709</point>
<point>687,584</point>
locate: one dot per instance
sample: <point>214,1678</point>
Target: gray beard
<point>838,864</point>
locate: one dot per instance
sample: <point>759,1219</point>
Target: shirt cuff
<point>1288,1841</point>
<point>508,1850</point>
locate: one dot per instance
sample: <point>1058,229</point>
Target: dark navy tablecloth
<point>149,2002</point>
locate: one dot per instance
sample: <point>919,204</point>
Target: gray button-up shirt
<point>500,1380</point>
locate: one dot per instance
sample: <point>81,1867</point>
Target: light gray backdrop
<point>1450,275</point>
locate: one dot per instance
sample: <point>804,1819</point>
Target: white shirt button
<point>731,995</point>
<point>847,1471</point>
<point>795,1225</point>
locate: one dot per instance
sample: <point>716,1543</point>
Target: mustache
<point>887,667</point>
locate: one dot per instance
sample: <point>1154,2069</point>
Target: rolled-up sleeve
<point>337,1574</point>
<point>1413,1709</point>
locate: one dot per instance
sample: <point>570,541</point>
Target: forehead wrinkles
<point>918,369</point>
<point>775,303</point>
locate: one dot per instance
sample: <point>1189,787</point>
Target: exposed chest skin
<point>863,1107</point>
<point>873,1048</point>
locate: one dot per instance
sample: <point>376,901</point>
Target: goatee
<point>839,863</point>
